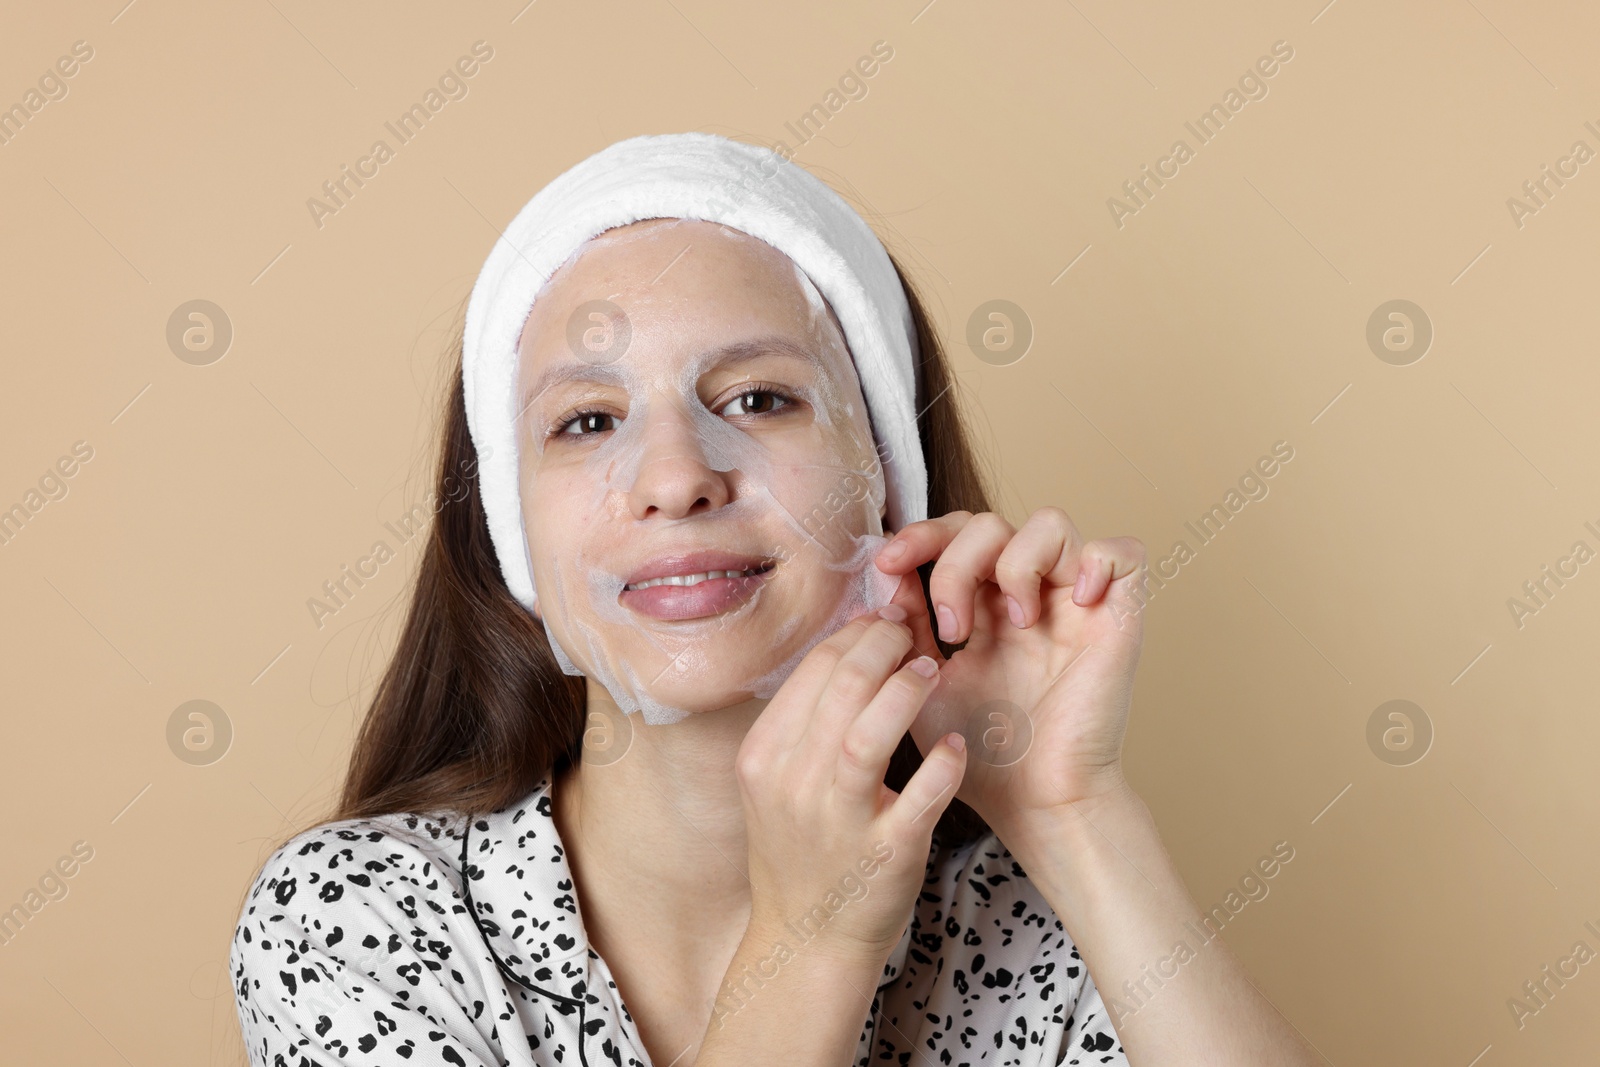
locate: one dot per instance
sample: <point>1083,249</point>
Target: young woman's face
<point>690,408</point>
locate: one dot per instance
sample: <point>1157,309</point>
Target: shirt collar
<point>515,866</point>
<point>522,893</point>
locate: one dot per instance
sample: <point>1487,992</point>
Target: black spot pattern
<point>358,945</point>
<point>986,975</point>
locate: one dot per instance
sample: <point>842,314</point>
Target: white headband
<point>689,176</point>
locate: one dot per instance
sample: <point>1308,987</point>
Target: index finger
<point>790,710</point>
<point>917,543</point>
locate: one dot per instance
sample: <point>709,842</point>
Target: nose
<point>674,478</point>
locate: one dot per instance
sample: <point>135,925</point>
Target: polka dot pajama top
<point>429,939</point>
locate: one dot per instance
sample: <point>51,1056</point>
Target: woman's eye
<point>587,422</point>
<point>751,402</point>
<point>755,402</point>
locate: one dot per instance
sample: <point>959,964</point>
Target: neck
<point>653,822</point>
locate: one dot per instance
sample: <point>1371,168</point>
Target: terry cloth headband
<point>689,176</point>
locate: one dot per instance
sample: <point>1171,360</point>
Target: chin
<point>698,689</point>
<point>697,697</point>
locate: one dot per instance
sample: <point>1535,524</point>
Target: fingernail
<point>1014,610</point>
<point>925,666</point>
<point>957,742</point>
<point>947,623</point>
<point>893,612</point>
<point>1080,585</point>
<point>894,551</point>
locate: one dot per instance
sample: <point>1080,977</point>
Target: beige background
<point>1228,314</point>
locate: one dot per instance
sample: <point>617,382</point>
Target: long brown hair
<point>473,710</point>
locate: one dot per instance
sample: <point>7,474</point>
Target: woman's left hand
<point>1043,686</point>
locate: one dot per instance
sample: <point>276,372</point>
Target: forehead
<point>699,281</point>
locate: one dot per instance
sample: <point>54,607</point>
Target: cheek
<point>828,510</point>
<point>833,502</point>
<point>555,512</point>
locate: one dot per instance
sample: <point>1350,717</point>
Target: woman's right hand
<point>837,857</point>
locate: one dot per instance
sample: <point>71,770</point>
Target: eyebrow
<point>727,355</point>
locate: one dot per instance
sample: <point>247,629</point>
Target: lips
<point>695,584</point>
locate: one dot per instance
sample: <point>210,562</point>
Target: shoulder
<point>354,936</point>
<point>364,857</point>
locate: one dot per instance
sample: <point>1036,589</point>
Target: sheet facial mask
<point>677,613</point>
